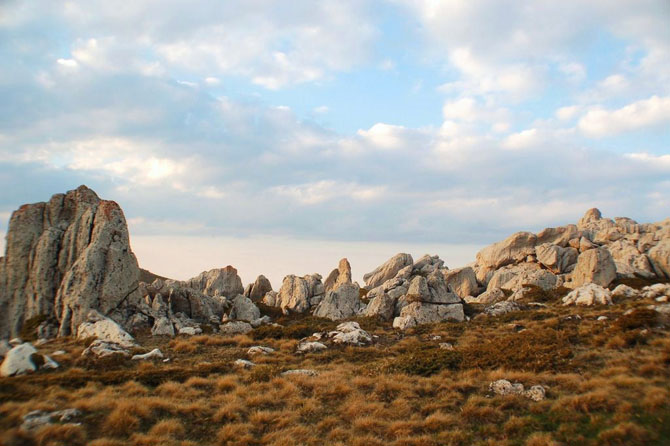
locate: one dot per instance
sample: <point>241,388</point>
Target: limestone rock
<point>387,270</point>
<point>217,282</point>
<point>513,249</point>
<point>153,354</point>
<point>381,306</point>
<point>64,258</point>
<point>351,333</point>
<point>624,292</point>
<point>102,349</point>
<point>504,387</point>
<point>236,327</point>
<point>37,419</point>
<point>514,277</point>
<point>560,236</point>
<point>629,261</point>
<point>19,361</point>
<point>339,276</point>
<point>592,215</point>
<point>594,266</point>
<point>488,297</point>
<point>244,364</point>
<point>588,295</point>
<point>419,313</point>
<point>462,281</point>
<point>311,347</point>
<point>163,327</point>
<point>271,299</point>
<point>341,304</point>
<point>427,264</point>
<point>558,259</point>
<point>260,350</point>
<point>305,372</point>
<point>99,327</point>
<point>500,308</point>
<point>244,309</point>
<point>660,258</point>
<point>259,288</point>
<point>296,293</point>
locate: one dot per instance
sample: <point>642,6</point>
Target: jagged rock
<point>418,289</point>
<point>560,236</point>
<point>236,327</point>
<point>628,260</point>
<point>592,215</point>
<point>656,290</point>
<point>260,350</point>
<point>64,258</point>
<point>624,292</point>
<point>558,259</point>
<point>153,354</point>
<point>259,288</point>
<point>271,299</point>
<point>19,360</point>
<point>660,258</point>
<point>351,333</point>
<point>102,349</point>
<point>260,321</point>
<point>513,277</point>
<point>513,249</point>
<point>296,293</point>
<point>163,327</point>
<point>488,297</point>
<point>341,304</point>
<point>306,372</point>
<point>100,327</point>
<point>217,282</point>
<point>311,347</point>
<point>37,419</point>
<point>419,313</point>
<point>388,270</point>
<point>462,281</point>
<point>588,295</point>
<point>244,309</point>
<point>244,364</point>
<point>339,276</point>
<point>586,244</point>
<point>381,306</point>
<point>594,266</point>
<point>500,308</point>
<point>427,264</point>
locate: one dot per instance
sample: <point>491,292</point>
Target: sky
<point>280,136</point>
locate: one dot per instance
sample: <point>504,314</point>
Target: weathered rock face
<point>339,276</point>
<point>99,327</point>
<point>594,266</point>
<point>513,249</point>
<point>513,277</point>
<point>388,270</point>
<point>556,258</point>
<point>462,281</point>
<point>299,294</point>
<point>244,309</point>
<point>588,295</point>
<point>217,282</point>
<point>259,288</point>
<point>64,258</point>
<point>341,304</point>
<point>660,258</point>
<point>418,313</point>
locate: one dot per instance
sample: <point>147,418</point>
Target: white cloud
<point>68,63</point>
<point>599,122</point>
<point>523,140</point>
<point>575,72</point>
<point>212,80</point>
<point>326,190</point>
<point>321,110</point>
<point>568,112</point>
<point>384,136</point>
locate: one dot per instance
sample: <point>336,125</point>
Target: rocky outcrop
<point>217,282</point>
<point>244,309</point>
<point>339,276</point>
<point>660,258</point>
<point>513,249</point>
<point>257,290</point>
<point>594,266</point>
<point>64,258</point>
<point>388,270</point>
<point>299,294</point>
<point>462,281</point>
<point>589,295</point>
<point>340,304</point>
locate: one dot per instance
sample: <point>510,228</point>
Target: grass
<point>607,384</point>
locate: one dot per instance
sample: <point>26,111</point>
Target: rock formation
<point>388,270</point>
<point>257,290</point>
<point>339,276</point>
<point>217,282</point>
<point>64,258</point>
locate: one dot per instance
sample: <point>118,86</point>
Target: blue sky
<point>401,123</point>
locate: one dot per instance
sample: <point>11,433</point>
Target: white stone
<point>588,295</point>
<point>101,349</point>
<point>236,327</point>
<point>244,364</point>
<point>162,327</point>
<point>260,350</point>
<point>18,361</point>
<point>306,372</point>
<point>105,329</point>
<point>311,347</point>
<point>190,331</point>
<point>153,354</point>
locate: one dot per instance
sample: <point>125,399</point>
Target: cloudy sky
<point>279,136</point>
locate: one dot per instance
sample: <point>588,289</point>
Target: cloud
<point>641,114</point>
<point>326,190</point>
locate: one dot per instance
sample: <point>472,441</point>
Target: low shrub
<point>296,329</point>
<point>639,318</point>
<point>424,362</point>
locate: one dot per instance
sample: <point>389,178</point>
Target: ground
<point>607,384</point>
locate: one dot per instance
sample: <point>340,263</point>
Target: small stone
<point>307,372</point>
<point>153,354</point>
<point>311,347</point>
<point>244,364</point>
<point>602,318</point>
<point>446,346</point>
<point>260,350</point>
<point>190,331</point>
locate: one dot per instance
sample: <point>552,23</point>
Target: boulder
<point>260,350</point>
<point>217,282</point>
<point>588,295</point>
<point>339,276</point>
<point>560,236</point>
<point>162,327</point>
<point>660,258</point>
<point>100,327</point>
<point>19,360</point>
<point>462,281</point>
<point>591,216</point>
<point>311,347</point>
<point>304,372</point>
<point>64,258</point>
<point>244,309</point>
<point>271,299</point>
<point>624,292</point>
<point>557,259</point>
<point>341,304</point>
<point>153,354</point>
<point>504,387</point>
<point>488,297</point>
<point>244,364</point>
<point>427,264</point>
<point>4,347</point>
<point>33,421</point>
<point>419,313</point>
<point>259,288</point>
<point>387,270</point>
<point>236,327</point>
<point>102,349</point>
<point>629,261</point>
<point>190,331</point>
<point>351,333</point>
<point>514,277</point>
<point>594,266</point>
<point>297,293</point>
<point>512,250</point>
<point>500,308</point>
<point>381,306</point>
